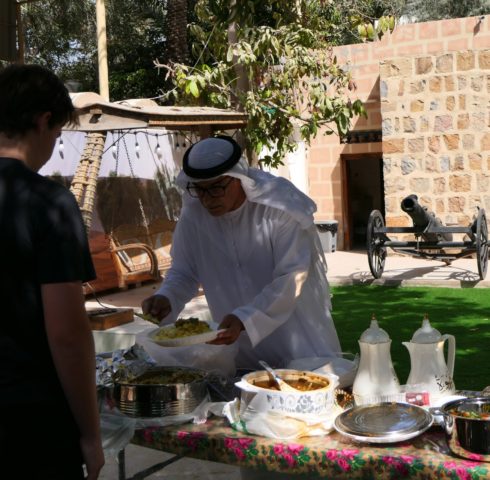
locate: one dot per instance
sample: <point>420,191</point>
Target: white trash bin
<point>327,230</point>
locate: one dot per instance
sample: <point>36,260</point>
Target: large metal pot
<point>161,391</point>
<point>467,434</point>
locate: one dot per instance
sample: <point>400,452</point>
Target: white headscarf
<point>263,188</point>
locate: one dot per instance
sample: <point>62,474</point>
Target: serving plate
<point>386,422</point>
<point>184,341</point>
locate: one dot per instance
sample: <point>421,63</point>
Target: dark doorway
<point>363,192</point>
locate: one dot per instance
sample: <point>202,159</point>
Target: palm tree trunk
<point>177,50</point>
<point>242,83</point>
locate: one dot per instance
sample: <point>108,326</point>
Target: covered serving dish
<point>385,422</point>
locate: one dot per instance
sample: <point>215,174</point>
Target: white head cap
<point>211,157</point>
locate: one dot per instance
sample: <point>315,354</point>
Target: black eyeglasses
<point>214,191</point>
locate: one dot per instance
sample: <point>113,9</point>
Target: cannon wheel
<point>482,243</point>
<point>375,249</point>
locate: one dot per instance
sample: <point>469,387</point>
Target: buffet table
<point>331,456</point>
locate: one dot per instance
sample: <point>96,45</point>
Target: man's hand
<point>158,306</point>
<point>233,327</point>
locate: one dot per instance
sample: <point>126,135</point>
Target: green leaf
<point>194,90</point>
<point>355,20</point>
<point>328,105</point>
<point>275,44</point>
<point>391,23</point>
<point>201,81</point>
<point>361,29</point>
<point>229,54</point>
<point>382,24</point>
<point>305,131</point>
<point>370,31</point>
<point>342,124</point>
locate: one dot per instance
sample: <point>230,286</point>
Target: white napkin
<point>277,425</point>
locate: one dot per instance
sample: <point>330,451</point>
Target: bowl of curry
<point>467,426</point>
<point>314,393</point>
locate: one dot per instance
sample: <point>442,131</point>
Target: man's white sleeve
<point>180,284</point>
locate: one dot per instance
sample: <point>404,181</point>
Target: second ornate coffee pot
<point>429,370</point>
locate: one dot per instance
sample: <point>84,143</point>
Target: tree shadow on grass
<point>463,313</point>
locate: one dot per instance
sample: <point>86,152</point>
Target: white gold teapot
<point>429,370</point>
<point>375,376</point>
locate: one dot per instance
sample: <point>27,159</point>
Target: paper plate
<point>184,341</point>
<point>386,422</point>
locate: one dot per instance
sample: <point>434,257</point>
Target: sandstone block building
<point>426,88</point>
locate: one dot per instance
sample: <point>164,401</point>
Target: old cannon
<point>432,239</point>
<point>424,219</point>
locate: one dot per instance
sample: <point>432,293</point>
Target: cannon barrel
<point>423,219</point>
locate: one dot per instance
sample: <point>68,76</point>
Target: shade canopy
<point>98,115</point>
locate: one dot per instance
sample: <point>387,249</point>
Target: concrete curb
<point>351,268</point>
<point>391,282</point>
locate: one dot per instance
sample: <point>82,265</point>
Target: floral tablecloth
<point>334,456</point>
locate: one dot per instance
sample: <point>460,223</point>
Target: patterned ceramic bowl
<point>316,395</point>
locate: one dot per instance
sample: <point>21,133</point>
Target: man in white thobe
<point>249,239</point>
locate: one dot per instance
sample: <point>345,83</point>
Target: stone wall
<point>467,37</point>
<point>436,143</point>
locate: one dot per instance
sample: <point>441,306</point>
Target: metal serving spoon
<point>147,317</point>
<point>282,385</point>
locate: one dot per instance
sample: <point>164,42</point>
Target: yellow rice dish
<point>184,327</point>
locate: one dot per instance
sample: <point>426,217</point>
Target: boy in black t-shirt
<point>49,424</point>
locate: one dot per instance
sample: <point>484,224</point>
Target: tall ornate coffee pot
<point>429,370</point>
<point>376,376</point>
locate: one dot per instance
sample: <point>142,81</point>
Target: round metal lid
<point>384,421</point>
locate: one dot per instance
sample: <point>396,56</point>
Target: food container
<point>161,391</point>
<point>344,365</point>
<point>319,401</point>
<point>467,433</point>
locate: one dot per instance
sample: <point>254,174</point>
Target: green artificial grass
<point>464,313</point>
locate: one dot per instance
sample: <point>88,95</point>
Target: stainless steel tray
<point>385,422</point>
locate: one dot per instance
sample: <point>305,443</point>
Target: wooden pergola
<point>98,115</point>
<point>96,118</point>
